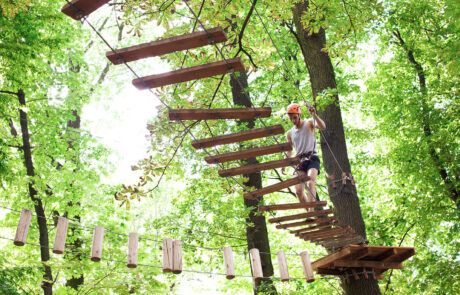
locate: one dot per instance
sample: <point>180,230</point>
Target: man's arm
<point>319,122</point>
<point>288,136</point>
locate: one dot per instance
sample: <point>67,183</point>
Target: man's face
<point>295,118</point>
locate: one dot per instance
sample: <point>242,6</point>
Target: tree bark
<point>344,197</point>
<point>256,229</point>
<point>454,194</point>
<point>47,283</point>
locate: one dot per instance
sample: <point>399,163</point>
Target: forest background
<point>78,140</point>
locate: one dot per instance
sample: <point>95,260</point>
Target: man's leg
<point>300,189</point>
<point>311,184</point>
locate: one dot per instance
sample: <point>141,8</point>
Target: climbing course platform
<point>358,257</point>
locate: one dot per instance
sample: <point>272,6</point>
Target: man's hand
<point>312,110</point>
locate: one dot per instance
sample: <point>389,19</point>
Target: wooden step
<point>300,216</point>
<point>312,228</point>
<point>218,114</point>
<point>188,74</point>
<point>78,9</point>
<point>308,222</point>
<point>275,187</point>
<point>238,137</point>
<point>292,206</point>
<point>326,233</point>
<point>339,243</point>
<point>249,153</point>
<point>168,45</point>
<point>259,167</point>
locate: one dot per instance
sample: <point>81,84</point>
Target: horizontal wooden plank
<point>324,233</point>
<point>189,74</point>
<point>306,222</point>
<point>77,9</point>
<point>167,45</point>
<point>259,167</point>
<point>342,242</point>
<point>329,259</point>
<point>367,264</point>
<point>217,114</point>
<point>330,236</point>
<point>249,153</point>
<point>238,137</point>
<point>275,187</point>
<point>311,229</point>
<point>292,206</point>
<point>300,216</point>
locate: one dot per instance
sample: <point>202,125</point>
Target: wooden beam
<point>238,137</point>
<point>249,153</point>
<point>308,222</point>
<point>78,9</point>
<point>300,216</point>
<point>292,206</point>
<point>311,229</point>
<point>188,74</point>
<point>367,264</point>
<point>329,236</point>
<point>334,244</point>
<point>259,167</point>
<point>329,259</point>
<point>168,45</point>
<point>275,187</point>
<point>324,233</point>
<point>218,114</point>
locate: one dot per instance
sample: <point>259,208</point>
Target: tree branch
<point>241,34</point>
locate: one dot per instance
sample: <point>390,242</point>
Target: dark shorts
<point>307,165</point>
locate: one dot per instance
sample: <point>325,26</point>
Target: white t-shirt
<point>303,138</point>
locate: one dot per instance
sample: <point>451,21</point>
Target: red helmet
<point>293,108</point>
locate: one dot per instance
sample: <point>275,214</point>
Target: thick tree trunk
<point>256,230</point>
<point>47,283</point>
<point>454,193</point>
<point>344,197</point>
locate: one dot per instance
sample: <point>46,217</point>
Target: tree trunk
<point>256,229</point>
<point>47,283</point>
<point>344,197</point>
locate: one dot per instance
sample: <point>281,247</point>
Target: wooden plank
<point>238,137</point>
<point>329,259</point>
<point>188,74</point>
<point>259,167</point>
<point>308,222</point>
<point>367,264</point>
<point>329,236</point>
<point>275,187</point>
<point>78,9</point>
<point>324,233</point>
<point>249,153</point>
<point>338,243</point>
<point>167,45</point>
<point>218,114</point>
<point>292,206</point>
<point>300,216</point>
<point>311,229</point>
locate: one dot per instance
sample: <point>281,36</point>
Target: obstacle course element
<point>77,9</point>
<point>165,46</point>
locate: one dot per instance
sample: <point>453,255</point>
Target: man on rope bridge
<point>302,137</point>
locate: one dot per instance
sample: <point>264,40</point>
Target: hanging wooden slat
<point>249,153</point>
<point>275,187</point>
<point>307,267</point>
<point>238,137</point>
<point>78,9</point>
<point>96,249</point>
<point>177,257</point>
<point>300,216</point>
<point>228,261</point>
<point>334,244</point>
<point>311,229</point>
<point>218,114</point>
<point>20,238</point>
<point>282,264</point>
<point>312,221</point>
<point>292,206</point>
<point>334,237</point>
<point>167,255</point>
<point>256,264</point>
<point>61,235</point>
<point>133,244</point>
<point>167,45</point>
<point>324,233</point>
<point>189,74</point>
<point>259,167</point>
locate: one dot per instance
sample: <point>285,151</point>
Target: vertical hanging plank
<point>133,243</point>
<point>177,257</point>
<point>284,273</point>
<point>228,260</point>
<point>307,268</point>
<point>255,264</point>
<point>96,250</point>
<point>167,255</point>
<point>23,228</point>
<point>61,235</point>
